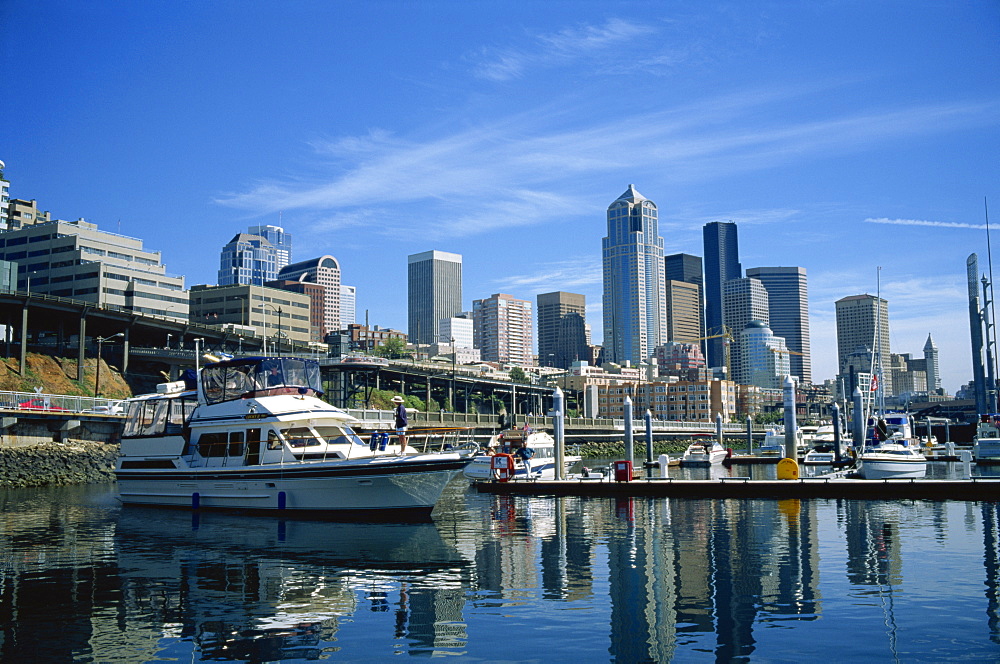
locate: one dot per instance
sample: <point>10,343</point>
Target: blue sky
<point>839,136</point>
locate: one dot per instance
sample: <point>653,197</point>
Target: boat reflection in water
<point>499,578</point>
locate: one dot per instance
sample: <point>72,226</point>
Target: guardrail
<point>56,403</point>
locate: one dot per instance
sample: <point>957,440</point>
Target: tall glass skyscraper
<point>635,310</point>
<point>279,239</point>
<point>434,292</point>
<point>722,263</point>
<point>248,260</point>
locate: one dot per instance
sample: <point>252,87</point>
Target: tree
<point>394,348</point>
<point>517,375</point>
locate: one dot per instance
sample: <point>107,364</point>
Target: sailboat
<point>890,450</point>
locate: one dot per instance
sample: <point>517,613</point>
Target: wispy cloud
<point>556,49</point>
<point>521,169</point>
<point>918,222</point>
<point>579,273</point>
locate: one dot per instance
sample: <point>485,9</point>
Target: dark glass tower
<point>722,263</point>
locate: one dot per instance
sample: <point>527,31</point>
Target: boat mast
<point>989,319</point>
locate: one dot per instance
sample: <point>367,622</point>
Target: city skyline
<point>838,138</point>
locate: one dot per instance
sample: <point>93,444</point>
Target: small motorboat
<point>534,454</point>
<point>893,459</point>
<point>704,452</point>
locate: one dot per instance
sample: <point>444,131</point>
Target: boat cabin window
<point>300,437</point>
<point>234,379</point>
<point>158,417</point>
<point>220,444</point>
<point>338,435</point>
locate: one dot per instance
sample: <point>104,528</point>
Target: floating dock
<point>977,488</point>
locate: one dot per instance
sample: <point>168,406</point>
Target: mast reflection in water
<point>520,579</point>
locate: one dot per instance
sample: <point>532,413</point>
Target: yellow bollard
<point>788,469</point>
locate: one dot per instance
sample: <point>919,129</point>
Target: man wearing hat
<point>401,422</point>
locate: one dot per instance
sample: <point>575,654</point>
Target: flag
<point>874,385</point>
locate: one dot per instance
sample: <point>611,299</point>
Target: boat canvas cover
<point>225,381</point>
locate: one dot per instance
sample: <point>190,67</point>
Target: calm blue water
<point>496,579</point>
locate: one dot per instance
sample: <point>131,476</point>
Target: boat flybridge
<point>253,434</point>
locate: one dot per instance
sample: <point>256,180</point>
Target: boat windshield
<point>235,379</point>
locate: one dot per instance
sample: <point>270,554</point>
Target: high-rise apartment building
<point>788,306</point>
<point>325,271</point>
<point>279,239</point>
<point>74,259</point>
<point>933,369</point>
<point>434,292</point>
<point>247,259</point>
<point>562,333</point>
<point>502,329</point>
<point>722,263</point>
<point>21,213</point>
<point>635,309</point>
<point>862,327</point>
<point>744,301</point>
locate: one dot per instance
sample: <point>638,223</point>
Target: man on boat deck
<point>401,422</point>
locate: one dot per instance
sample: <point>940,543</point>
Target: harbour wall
<point>52,463</point>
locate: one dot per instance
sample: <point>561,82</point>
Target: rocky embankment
<point>52,464</point>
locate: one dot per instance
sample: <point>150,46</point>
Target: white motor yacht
<point>253,434</point>
<point>707,452</point>
<point>986,446</point>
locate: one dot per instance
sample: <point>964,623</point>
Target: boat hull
<point>875,468</point>
<point>986,451</point>
<point>542,469</point>
<point>703,460</point>
<point>375,487</point>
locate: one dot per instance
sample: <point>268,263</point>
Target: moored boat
<point>533,453</point>
<point>253,434</point>
<point>986,446</point>
<point>704,452</point>
<point>893,452</point>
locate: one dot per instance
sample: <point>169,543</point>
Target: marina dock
<point>976,488</point>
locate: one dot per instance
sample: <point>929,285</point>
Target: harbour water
<point>497,578</point>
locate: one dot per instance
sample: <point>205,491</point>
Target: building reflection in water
<point>674,578</point>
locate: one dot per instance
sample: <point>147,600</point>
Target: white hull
<point>987,451</point>
<point>373,486</point>
<point>699,455</point>
<point>539,469</point>
<point>814,458</point>
<point>875,465</point>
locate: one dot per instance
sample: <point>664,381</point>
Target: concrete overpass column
<point>23,366</point>
<point>82,348</point>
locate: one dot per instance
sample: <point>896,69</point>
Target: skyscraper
<point>688,269</point>
<point>683,312</point>
<point>722,263</point>
<point>434,291</point>
<point>933,369</point>
<point>325,271</point>
<point>744,301</point>
<point>862,325</point>
<point>788,306</point>
<point>348,305</point>
<point>562,335</point>
<point>502,329</point>
<point>635,309</point>
<point>279,239</point>
<point>765,362</point>
<point>249,260</point>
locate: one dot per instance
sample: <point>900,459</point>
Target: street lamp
<point>277,334</point>
<point>169,336</point>
<point>97,376</point>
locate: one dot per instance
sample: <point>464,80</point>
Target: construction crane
<point>728,340</point>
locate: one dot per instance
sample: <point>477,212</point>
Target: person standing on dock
<point>401,422</point>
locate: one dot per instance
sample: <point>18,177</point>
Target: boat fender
<point>729,453</point>
<point>502,466</point>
